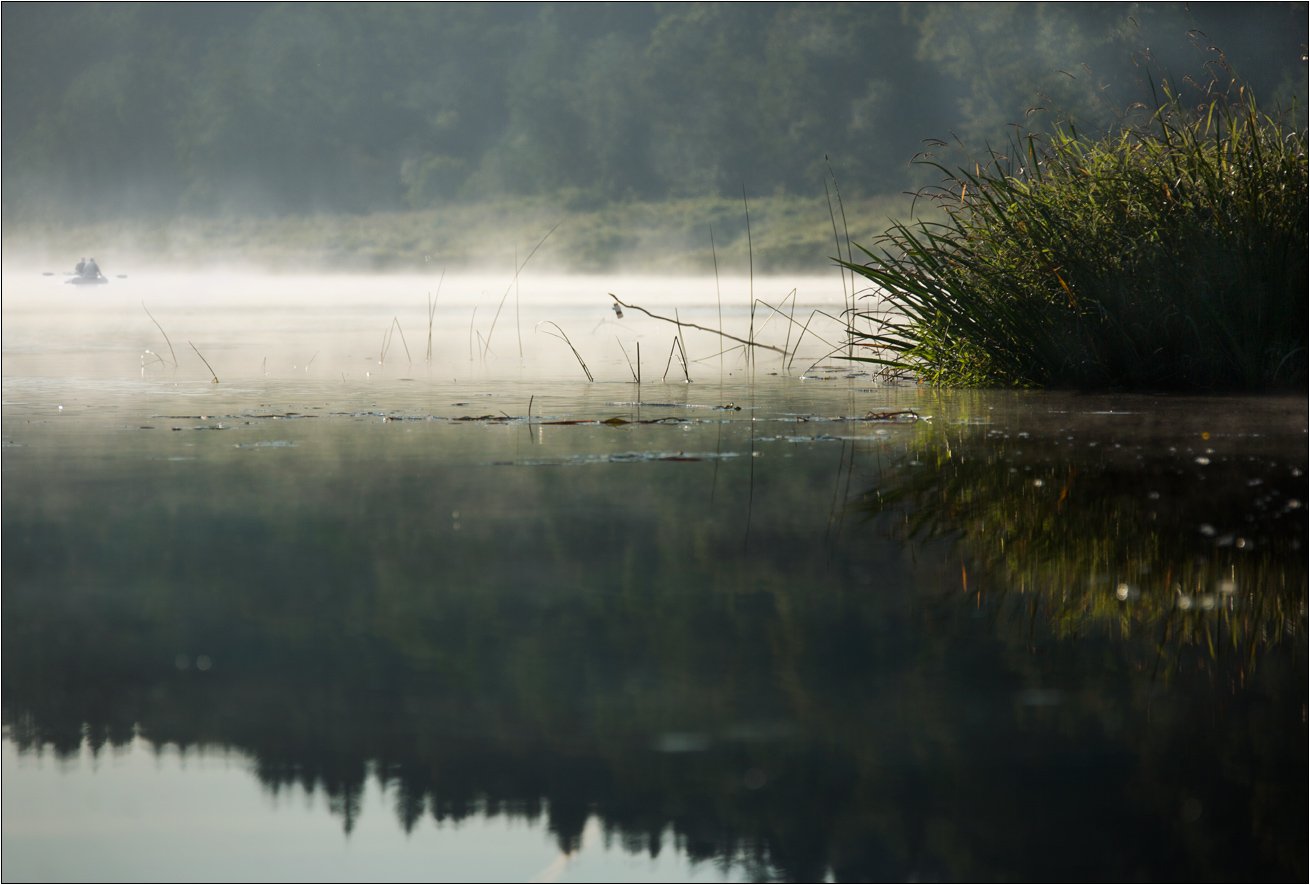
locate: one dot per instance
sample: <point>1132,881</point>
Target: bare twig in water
<point>565,339</point>
<point>161,332</point>
<point>206,362</point>
<point>673,320</point>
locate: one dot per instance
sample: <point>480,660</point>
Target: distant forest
<point>142,110</point>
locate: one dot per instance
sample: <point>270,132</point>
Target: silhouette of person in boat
<point>90,270</point>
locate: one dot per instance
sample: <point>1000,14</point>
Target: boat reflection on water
<point>1064,646</point>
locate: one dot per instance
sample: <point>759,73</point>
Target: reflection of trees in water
<point>795,708</point>
<point>1197,547</point>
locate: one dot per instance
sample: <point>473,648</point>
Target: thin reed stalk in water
<point>518,315</point>
<point>513,283</point>
<point>791,321</point>
<point>396,322</point>
<point>161,332</point>
<point>432,312</point>
<point>565,339</point>
<point>804,329</point>
<point>682,349</point>
<point>750,257</point>
<point>386,341</point>
<point>212,373</point>
<point>718,297</point>
<point>848,294</point>
<point>626,357</point>
<point>790,318</point>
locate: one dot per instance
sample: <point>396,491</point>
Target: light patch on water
<point>1040,697</point>
<point>682,742</point>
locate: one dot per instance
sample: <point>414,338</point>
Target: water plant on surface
<point>1172,256</point>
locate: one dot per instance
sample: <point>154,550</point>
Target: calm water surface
<point>354,613</point>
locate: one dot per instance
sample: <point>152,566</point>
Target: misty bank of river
<point>351,614</point>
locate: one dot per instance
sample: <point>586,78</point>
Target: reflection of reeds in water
<point>1158,548</point>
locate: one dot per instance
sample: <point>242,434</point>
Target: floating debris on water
<point>267,444</point>
<point>620,458</point>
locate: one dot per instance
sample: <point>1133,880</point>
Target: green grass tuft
<point>1170,257</point>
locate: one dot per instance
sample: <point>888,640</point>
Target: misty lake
<point>294,591</point>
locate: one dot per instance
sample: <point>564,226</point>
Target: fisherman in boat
<point>81,266</point>
<point>90,270</point>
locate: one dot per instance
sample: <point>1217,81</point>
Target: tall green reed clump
<point>1168,258</point>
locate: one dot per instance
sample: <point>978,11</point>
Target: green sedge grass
<point>1170,258</point>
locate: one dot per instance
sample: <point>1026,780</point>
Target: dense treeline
<point>165,109</point>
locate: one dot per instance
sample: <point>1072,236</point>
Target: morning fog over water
<point>294,591</point>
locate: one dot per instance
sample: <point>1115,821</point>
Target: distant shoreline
<point>786,234</point>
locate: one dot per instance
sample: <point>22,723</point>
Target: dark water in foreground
<point>411,632</point>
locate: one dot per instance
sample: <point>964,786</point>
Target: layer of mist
<point>375,137</point>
